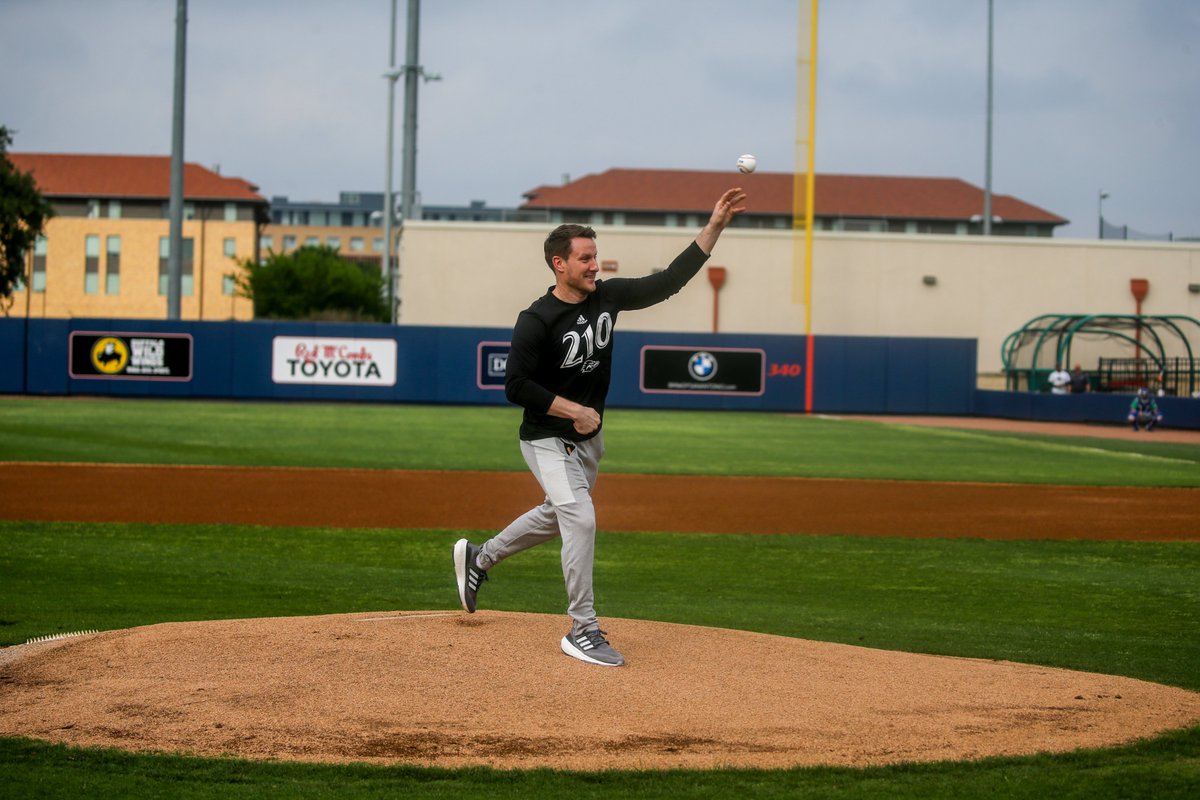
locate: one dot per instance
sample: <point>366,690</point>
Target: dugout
<point>1119,352</point>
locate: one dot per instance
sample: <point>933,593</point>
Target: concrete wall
<point>863,284</point>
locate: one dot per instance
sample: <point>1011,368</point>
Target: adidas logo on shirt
<point>582,320</point>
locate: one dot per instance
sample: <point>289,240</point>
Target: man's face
<point>578,272</point>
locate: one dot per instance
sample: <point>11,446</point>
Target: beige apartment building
<point>105,252</point>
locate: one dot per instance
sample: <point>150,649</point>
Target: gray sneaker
<point>468,574</point>
<point>591,647</point>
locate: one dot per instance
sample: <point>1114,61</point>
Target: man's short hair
<point>558,243</point>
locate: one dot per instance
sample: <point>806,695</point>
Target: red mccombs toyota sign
<point>333,361</point>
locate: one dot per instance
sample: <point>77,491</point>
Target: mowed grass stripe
<point>485,438</point>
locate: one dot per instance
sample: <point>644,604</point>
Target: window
<point>335,242</point>
<point>189,210</point>
<point>289,243</point>
<point>93,209</point>
<point>91,264</point>
<point>316,218</point>
<point>864,225</point>
<point>268,242</point>
<point>377,244</point>
<point>39,264</point>
<point>164,253</point>
<point>230,248</point>
<point>231,212</point>
<point>112,265</point>
<point>114,209</point>
<point>311,241</point>
<point>228,286</point>
<point>356,244</point>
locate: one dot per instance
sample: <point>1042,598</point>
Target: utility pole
<point>412,70</point>
<point>175,206</point>
<point>389,210</point>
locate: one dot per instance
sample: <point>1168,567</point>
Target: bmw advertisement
<point>703,370</point>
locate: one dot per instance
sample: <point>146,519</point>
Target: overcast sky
<point>1089,95</point>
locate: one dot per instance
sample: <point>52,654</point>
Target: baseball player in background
<point>559,367</point>
<point>1143,410</point>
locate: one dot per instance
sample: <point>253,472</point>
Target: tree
<point>313,283</point>
<point>23,216</point>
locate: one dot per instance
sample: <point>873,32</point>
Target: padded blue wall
<point>1178,412</point>
<point>440,365</point>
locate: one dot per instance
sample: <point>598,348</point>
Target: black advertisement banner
<point>493,359</point>
<point>699,370</point>
<point>137,356</point>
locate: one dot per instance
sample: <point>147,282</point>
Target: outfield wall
<point>422,364</point>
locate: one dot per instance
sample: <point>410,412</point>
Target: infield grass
<point>1165,768</point>
<point>484,438</point>
<point>1127,608</point>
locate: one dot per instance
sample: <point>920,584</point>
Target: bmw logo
<point>702,365</point>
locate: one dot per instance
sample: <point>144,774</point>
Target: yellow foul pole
<point>803,182</point>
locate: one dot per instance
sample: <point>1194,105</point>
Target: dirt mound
<point>451,689</point>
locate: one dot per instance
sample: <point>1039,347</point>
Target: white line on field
<point>950,433</point>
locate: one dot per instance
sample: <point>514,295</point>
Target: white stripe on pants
<point>567,479</point>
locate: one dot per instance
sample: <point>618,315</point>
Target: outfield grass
<point>655,442</point>
<point>1122,608</point>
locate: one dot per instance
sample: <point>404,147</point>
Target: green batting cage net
<point>1118,352</point>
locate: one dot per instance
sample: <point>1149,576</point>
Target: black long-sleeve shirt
<point>565,349</point>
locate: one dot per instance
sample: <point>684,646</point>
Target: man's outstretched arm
<point>728,207</point>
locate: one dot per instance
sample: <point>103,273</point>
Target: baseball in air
<point>747,163</point>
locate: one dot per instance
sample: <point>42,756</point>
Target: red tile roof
<point>851,196</point>
<point>146,177</point>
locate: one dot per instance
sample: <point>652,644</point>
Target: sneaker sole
<point>460,572</point>
<point>573,652</point>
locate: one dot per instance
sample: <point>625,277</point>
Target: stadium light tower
<point>410,72</point>
<point>389,211</point>
<point>1100,210</point>
<point>175,201</point>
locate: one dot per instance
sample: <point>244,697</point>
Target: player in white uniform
<point>559,368</point>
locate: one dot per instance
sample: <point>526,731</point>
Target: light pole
<point>175,202</point>
<point>388,204</point>
<point>1100,210</point>
<point>411,71</point>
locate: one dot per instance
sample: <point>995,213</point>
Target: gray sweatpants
<point>567,472</point>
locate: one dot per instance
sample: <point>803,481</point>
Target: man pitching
<point>559,367</point>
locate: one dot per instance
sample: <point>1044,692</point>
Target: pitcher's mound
<point>451,689</point>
